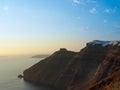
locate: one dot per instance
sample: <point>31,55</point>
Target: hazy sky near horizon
<point>43,26</point>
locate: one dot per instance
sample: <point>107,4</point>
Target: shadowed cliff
<point>67,70</point>
<point>108,74</point>
<point>47,71</point>
<point>82,67</point>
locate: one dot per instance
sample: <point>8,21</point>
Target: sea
<point>11,67</point>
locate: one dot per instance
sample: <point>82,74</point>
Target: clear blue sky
<point>42,26</point>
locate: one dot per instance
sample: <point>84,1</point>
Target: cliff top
<point>104,43</point>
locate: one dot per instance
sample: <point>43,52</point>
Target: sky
<point>44,26</point>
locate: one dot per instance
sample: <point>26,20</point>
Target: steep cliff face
<point>66,70</point>
<point>108,75</point>
<point>110,65</point>
<point>82,67</point>
<point>48,70</point>
<point>111,82</point>
<point>105,70</point>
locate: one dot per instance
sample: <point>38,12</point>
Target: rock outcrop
<point>82,67</point>
<point>107,69</point>
<point>47,71</point>
<point>111,82</point>
<point>98,62</point>
<point>108,75</point>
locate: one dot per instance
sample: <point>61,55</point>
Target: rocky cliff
<point>107,76</point>
<point>47,71</point>
<point>82,67</point>
<point>111,82</point>
<point>67,70</point>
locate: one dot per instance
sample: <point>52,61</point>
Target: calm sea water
<point>11,67</point>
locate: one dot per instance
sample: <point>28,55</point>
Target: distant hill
<point>40,56</point>
<point>95,67</point>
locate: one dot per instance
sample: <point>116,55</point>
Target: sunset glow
<point>43,26</point>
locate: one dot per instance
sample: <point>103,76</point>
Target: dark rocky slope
<point>66,70</point>
<point>82,67</point>
<point>111,82</point>
<point>47,71</point>
<point>108,75</point>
